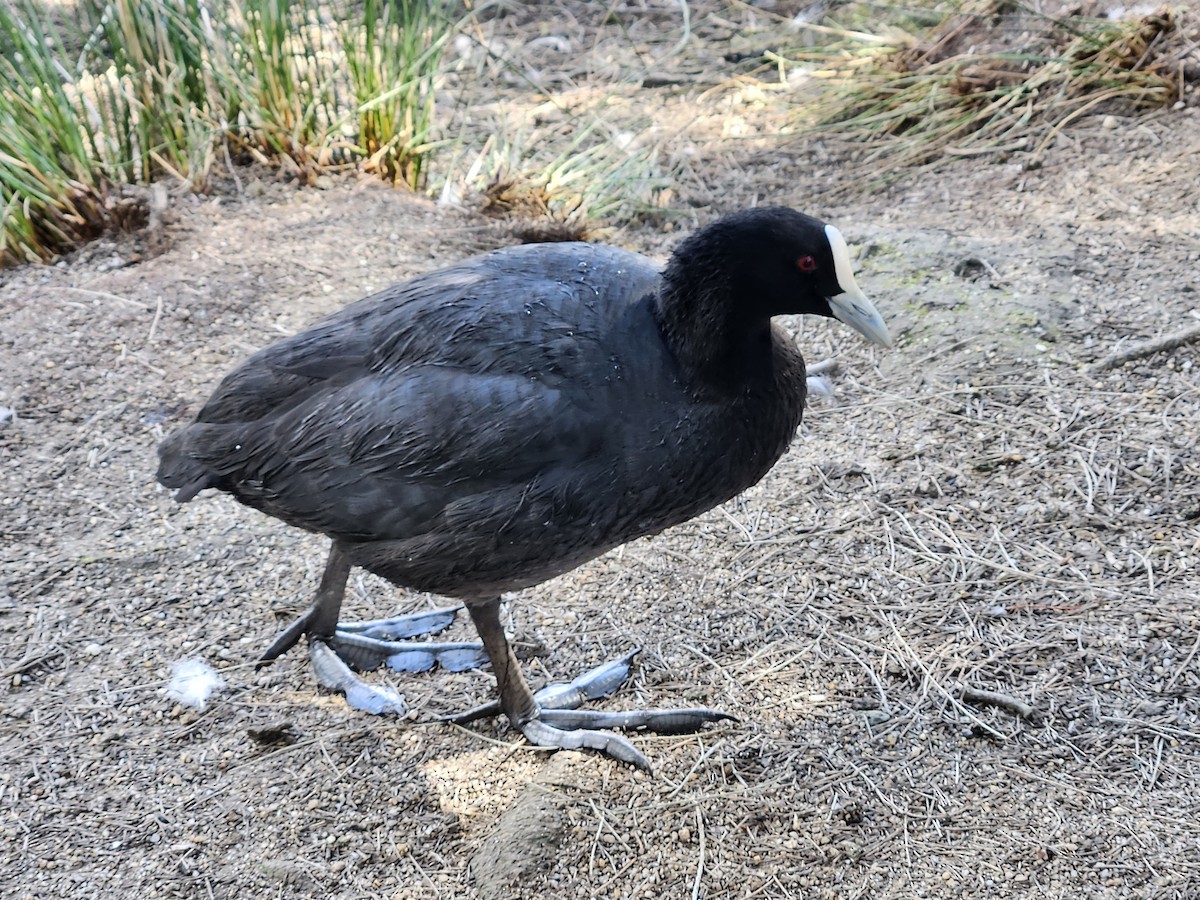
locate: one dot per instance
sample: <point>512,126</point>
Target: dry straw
<point>994,78</point>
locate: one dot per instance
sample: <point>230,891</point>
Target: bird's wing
<point>392,456</point>
<point>337,349</point>
<point>516,309</point>
<point>489,385</point>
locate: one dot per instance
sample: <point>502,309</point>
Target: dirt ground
<point>978,509</point>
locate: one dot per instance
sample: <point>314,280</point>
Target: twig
<point>137,359</point>
<point>337,773</point>
<point>928,680</point>
<point>687,29</point>
<point>155,321</point>
<point>237,182</point>
<point>1154,727</point>
<point>1184,667</point>
<point>981,151</point>
<point>700,760</point>
<point>1004,701</point>
<point>1148,348</point>
<point>1071,117</point>
<point>700,864</point>
<point>158,211</point>
<point>836,32</point>
<point>29,662</point>
<point>106,296</point>
<point>53,576</point>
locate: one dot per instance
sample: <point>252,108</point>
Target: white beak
<point>852,306</point>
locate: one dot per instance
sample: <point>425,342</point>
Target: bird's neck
<point>712,340</point>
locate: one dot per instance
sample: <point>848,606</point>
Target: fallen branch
<point>1004,701</point>
<point>1147,348</point>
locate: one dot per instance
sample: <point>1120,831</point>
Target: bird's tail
<point>179,464</point>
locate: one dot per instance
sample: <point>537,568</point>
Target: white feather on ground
<point>193,682</point>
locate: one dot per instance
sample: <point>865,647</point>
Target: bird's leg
<point>336,647</point>
<point>319,621</point>
<point>516,700</point>
<point>550,718</point>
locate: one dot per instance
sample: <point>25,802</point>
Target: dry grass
<point>103,95</point>
<point>994,78</point>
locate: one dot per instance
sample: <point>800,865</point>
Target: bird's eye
<point>806,264</point>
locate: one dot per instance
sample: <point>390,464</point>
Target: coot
<point>487,426</point>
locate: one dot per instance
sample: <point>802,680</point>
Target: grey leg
<point>320,621</point>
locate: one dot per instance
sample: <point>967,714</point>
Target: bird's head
<point>774,261</point>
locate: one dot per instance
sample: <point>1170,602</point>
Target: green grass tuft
<point>392,56</point>
<point>51,194</point>
<point>134,90</point>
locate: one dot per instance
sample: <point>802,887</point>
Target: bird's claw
<point>542,734</point>
<point>333,673</point>
<point>368,645</point>
<point>285,640</point>
<point>659,721</point>
<point>560,722</point>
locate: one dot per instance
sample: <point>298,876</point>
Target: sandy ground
<point>978,510</point>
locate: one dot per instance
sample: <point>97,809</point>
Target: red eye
<point>806,264</point>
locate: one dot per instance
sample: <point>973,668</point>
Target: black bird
<point>487,426</point>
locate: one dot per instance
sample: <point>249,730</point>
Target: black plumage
<point>489,425</point>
